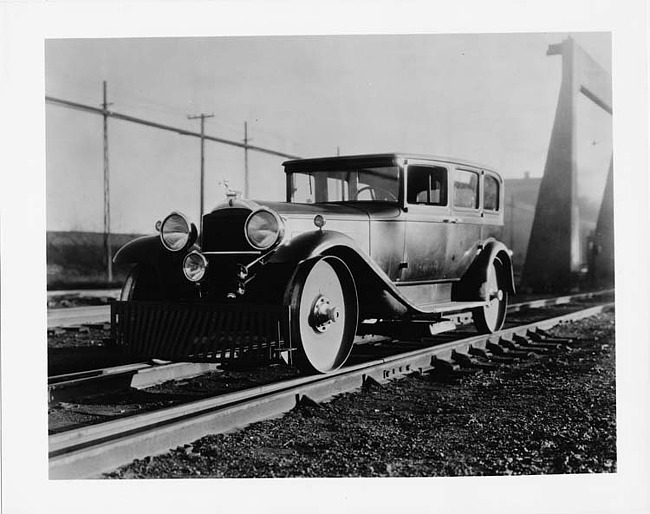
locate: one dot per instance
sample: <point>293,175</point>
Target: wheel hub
<point>323,314</point>
<point>498,295</point>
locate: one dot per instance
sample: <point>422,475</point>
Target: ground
<point>553,414</point>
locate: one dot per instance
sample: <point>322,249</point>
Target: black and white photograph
<point>338,267</point>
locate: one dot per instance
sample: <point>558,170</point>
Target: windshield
<point>367,184</point>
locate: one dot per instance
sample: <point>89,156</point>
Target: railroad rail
<point>92,450</point>
<point>137,376</point>
<point>79,316</point>
<point>144,374</point>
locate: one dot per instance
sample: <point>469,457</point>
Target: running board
<point>445,307</point>
<point>406,329</point>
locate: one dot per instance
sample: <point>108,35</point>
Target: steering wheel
<point>373,193</point>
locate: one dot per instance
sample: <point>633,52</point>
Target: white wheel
<point>323,314</point>
<point>489,319</point>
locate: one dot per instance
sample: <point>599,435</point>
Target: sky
<point>488,98</point>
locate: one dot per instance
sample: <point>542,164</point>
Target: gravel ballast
<point>549,415</point>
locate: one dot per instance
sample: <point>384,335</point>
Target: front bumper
<point>193,331</point>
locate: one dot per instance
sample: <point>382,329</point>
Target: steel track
<point>77,316</point>
<point>137,376</point>
<point>92,450</point>
<point>75,385</point>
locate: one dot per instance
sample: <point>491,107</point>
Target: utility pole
<point>246,179</point>
<point>202,117</point>
<point>512,222</point>
<point>107,203</point>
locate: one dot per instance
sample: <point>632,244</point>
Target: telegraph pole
<point>107,204</point>
<point>512,222</point>
<point>202,117</point>
<point>246,180</point>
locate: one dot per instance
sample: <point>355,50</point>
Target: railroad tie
<point>497,349</point>
<point>480,352</point>
<point>541,343</point>
<point>525,346</point>
<point>465,360</point>
<point>304,402</point>
<point>539,337</point>
<point>508,344</point>
<point>517,350</point>
<point>445,370</point>
<point>542,335</point>
<point>369,382</point>
<point>503,359</point>
<point>563,341</point>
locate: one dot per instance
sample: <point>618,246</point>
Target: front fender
<point>375,289</point>
<point>165,266</point>
<point>148,250</point>
<point>311,244</point>
<point>327,242</point>
<point>143,249</point>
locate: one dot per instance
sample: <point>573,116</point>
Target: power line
<point>161,126</point>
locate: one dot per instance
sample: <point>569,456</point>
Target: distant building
<point>520,202</point>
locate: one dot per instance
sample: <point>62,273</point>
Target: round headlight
<point>175,231</point>
<point>263,229</point>
<point>194,266</point>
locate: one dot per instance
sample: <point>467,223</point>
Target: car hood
<point>348,210</point>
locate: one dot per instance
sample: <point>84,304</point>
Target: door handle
<point>451,220</point>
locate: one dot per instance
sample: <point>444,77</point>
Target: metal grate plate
<point>200,331</point>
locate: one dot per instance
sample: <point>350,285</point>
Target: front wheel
<point>490,318</point>
<point>324,313</point>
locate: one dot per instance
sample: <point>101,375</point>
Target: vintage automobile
<point>388,238</point>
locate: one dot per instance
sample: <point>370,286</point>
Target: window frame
<point>432,166</point>
<point>479,198</point>
<point>321,183</point>
<point>486,175</point>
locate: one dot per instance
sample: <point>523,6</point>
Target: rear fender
<point>469,286</point>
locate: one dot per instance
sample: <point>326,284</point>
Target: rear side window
<point>427,185</point>
<point>491,194</point>
<point>466,189</point>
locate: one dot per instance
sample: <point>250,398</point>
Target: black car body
<point>388,238</point>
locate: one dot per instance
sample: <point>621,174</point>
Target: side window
<point>427,185</point>
<point>491,193</point>
<point>466,189</point>
<point>337,189</point>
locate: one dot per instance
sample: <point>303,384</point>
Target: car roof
<point>321,162</point>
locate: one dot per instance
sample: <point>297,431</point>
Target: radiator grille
<point>223,230</point>
<point>200,332</point>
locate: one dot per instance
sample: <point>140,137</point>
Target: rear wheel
<point>324,314</point>
<point>490,318</point>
